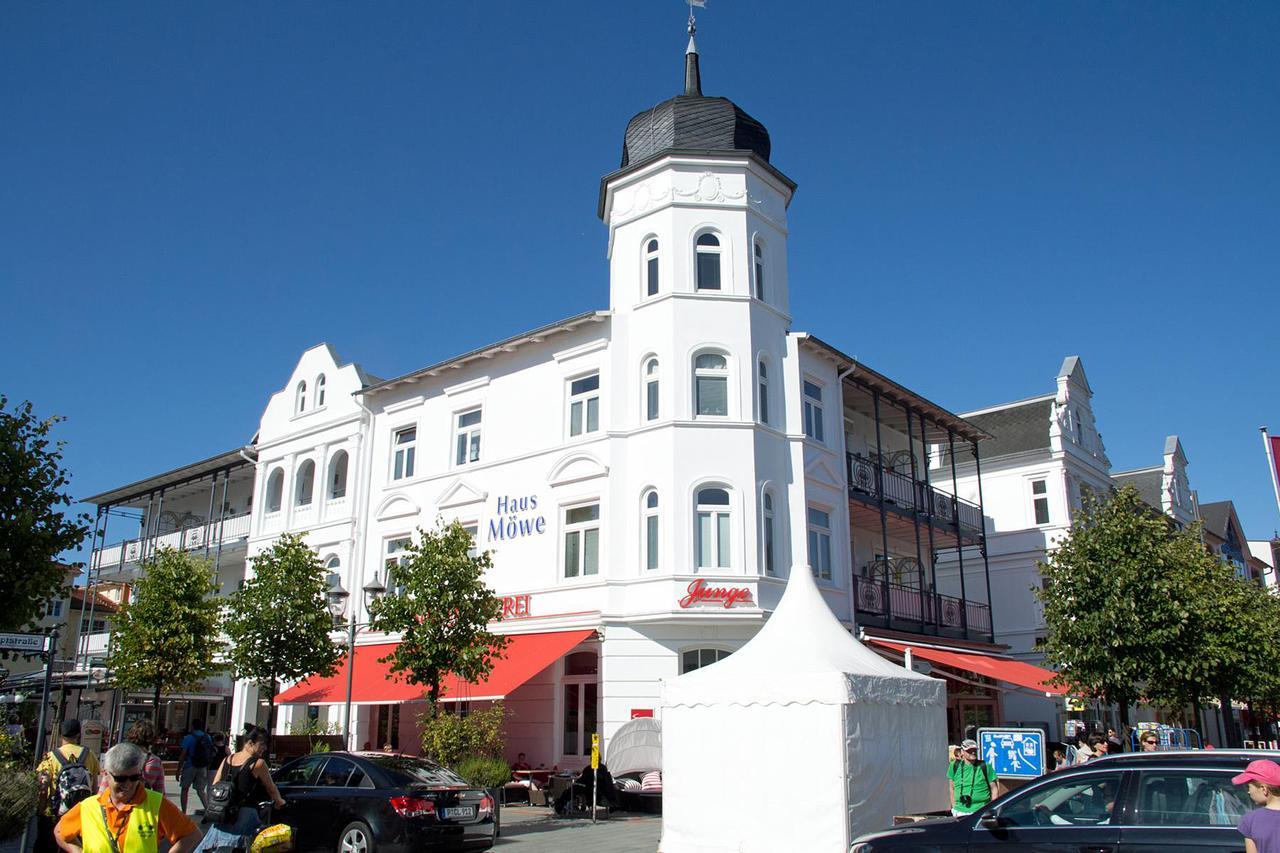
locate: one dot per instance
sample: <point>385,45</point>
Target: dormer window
<point>300,398</point>
<point>320,390</point>
<point>708,262</point>
<point>651,267</point>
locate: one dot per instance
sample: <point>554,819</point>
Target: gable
<point>397,506</point>
<point>460,493</point>
<point>576,467</point>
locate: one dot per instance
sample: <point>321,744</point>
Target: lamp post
<point>338,598</point>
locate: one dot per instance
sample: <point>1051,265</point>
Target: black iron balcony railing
<point>909,495</point>
<point>909,604</point>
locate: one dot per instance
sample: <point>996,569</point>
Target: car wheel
<point>356,838</point>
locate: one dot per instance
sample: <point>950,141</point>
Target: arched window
<point>320,390</point>
<point>651,390</point>
<point>768,534</point>
<point>275,490</point>
<point>698,658</point>
<point>338,475</point>
<point>304,483</point>
<point>758,251</point>
<point>713,521</point>
<point>300,399</point>
<point>707,250</point>
<point>762,393</point>
<point>711,385</point>
<point>333,571</point>
<point>651,267</point>
<point>649,511</point>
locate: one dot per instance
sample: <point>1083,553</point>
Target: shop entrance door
<point>580,707</point>
<point>978,713</point>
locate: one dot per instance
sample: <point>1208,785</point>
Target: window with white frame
<point>768,521</point>
<point>758,253</point>
<point>820,543</point>
<point>53,608</point>
<point>320,390</point>
<point>333,572</point>
<point>584,404</point>
<point>712,523</point>
<point>813,426</point>
<point>338,475</point>
<point>711,385</point>
<point>692,659</point>
<point>649,511</point>
<point>275,490</point>
<point>300,398</point>
<point>1040,501</point>
<point>405,448</point>
<point>651,267</point>
<point>707,250</point>
<point>304,483</point>
<point>651,390</point>
<point>582,540</point>
<point>473,529</point>
<point>466,438</point>
<point>396,552</point>
<point>762,391</point>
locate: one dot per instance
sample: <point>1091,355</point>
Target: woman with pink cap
<point>1261,827</point>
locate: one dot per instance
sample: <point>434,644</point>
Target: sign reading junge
<point>515,517</point>
<point>699,592</point>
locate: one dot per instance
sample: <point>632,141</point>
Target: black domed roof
<point>693,121</point>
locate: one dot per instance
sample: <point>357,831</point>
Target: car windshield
<point>416,771</point>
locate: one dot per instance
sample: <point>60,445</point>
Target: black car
<point>368,802</point>
<point>1144,802</point>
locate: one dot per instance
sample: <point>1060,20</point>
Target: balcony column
<point>222,514</point>
<point>884,522</point>
<point>986,564</point>
<point>933,551</point>
<point>208,518</point>
<point>915,512</point>
<point>955,519</point>
<point>144,527</point>
<point>81,635</point>
<point>155,528</point>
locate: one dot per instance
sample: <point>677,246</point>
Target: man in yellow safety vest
<point>126,817</point>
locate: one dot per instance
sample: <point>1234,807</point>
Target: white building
<point>646,476</point>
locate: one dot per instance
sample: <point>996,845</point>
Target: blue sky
<point>192,194</point>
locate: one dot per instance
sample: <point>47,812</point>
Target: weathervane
<point>693,24</point>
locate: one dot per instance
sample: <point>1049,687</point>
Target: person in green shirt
<point>973,781</point>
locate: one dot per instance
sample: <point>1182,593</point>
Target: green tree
<point>33,528</point>
<point>279,624</point>
<point>1121,595</point>
<point>166,638</point>
<point>438,602</point>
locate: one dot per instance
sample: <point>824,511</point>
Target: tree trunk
<point>271,706</point>
<point>155,708</point>
<point>433,693</point>
<point>1199,721</point>
<point>1230,736</point>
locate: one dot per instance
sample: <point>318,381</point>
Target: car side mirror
<point>990,820</point>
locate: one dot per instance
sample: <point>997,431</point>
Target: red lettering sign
<point>726,596</point>
<point>515,606</point>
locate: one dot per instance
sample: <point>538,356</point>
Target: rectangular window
<point>584,405</point>
<point>1190,798</point>
<point>813,411</point>
<point>474,530</point>
<point>763,393</point>
<point>651,400</point>
<point>582,541</point>
<point>713,539</point>
<point>651,541</point>
<point>1040,501</point>
<point>768,543</point>
<point>708,270</point>
<point>571,694</point>
<point>406,442</point>
<point>395,553</point>
<point>467,438</point>
<point>651,267</point>
<point>820,543</point>
<point>54,608</point>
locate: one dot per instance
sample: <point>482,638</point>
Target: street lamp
<point>338,598</point>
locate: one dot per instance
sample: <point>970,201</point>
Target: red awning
<point>524,657</point>
<point>1001,669</point>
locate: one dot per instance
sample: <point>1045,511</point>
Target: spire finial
<point>692,76</point>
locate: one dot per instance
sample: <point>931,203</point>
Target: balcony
<point>907,607</point>
<point>911,498</point>
<point>117,558</point>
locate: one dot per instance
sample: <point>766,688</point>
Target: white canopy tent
<point>801,740</point>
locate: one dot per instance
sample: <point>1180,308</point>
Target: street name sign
<point>30,643</point>
<point>1013,753</point>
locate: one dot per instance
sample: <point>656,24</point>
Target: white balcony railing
<point>124,554</point>
<point>95,645</point>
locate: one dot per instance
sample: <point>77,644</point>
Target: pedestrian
<point>142,734</point>
<point>1261,827</point>
<point>1148,742</point>
<point>1083,752</point>
<point>250,784</point>
<point>65,777</point>
<point>219,753</point>
<point>1099,746</point>
<point>973,781</point>
<point>193,765</point>
<point>125,817</point>
<point>1114,745</point>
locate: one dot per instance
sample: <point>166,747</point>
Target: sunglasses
<point>130,778</point>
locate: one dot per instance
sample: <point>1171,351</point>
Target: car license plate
<point>459,811</point>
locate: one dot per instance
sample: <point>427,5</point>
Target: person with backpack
<point>198,753</point>
<point>126,817</point>
<point>142,734</point>
<point>242,782</point>
<point>66,776</point>
<point>973,781</point>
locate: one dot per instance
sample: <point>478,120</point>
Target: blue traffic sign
<point>1013,753</point>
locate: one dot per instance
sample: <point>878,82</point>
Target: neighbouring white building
<point>646,476</point>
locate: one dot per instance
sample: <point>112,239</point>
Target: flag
<point>1272,445</point>
<point>701,4</point>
